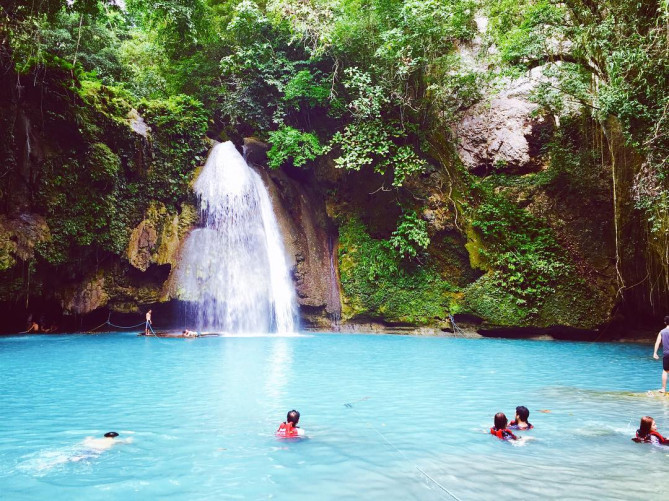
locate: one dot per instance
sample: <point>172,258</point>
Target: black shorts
<point>665,362</point>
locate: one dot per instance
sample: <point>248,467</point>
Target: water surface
<point>388,417</point>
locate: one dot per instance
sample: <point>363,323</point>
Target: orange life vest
<point>504,434</point>
<point>287,430</point>
<point>649,438</point>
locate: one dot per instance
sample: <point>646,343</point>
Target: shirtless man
<point>148,323</point>
<point>102,444</point>
<point>92,447</point>
<point>663,337</point>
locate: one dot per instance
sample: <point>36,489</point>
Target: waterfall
<point>233,272</point>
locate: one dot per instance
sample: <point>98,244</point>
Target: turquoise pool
<point>202,415</point>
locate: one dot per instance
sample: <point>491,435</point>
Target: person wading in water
<point>663,337</point>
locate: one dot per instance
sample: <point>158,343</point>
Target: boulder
<point>501,133</point>
<point>157,239</point>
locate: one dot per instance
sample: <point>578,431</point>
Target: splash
<point>233,273</point>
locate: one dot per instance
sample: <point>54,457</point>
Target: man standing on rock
<point>148,324</point>
<point>663,337</point>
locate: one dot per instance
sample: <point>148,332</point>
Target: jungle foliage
<point>361,83</point>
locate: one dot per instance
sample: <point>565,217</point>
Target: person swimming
<point>647,433</point>
<point>99,445</point>
<point>289,428</point>
<point>188,333</point>
<point>521,422</point>
<point>88,449</point>
<point>500,429</point>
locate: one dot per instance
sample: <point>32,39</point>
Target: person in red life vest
<point>289,429</point>
<point>647,433</point>
<point>500,430</point>
<point>521,422</point>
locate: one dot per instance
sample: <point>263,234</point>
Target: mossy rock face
<point>573,304</point>
<point>376,285</point>
<point>474,246</point>
<point>495,305</point>
<point>18,238</point>
<point>87,297</point>
<point>156,240</point>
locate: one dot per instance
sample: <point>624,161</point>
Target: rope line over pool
<point>393,446</point>
<point>107,322</point>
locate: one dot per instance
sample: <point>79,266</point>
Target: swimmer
<point>521,422</point>
<point>107,442</point>
<point>647,433</point>
<point>91,447</point>
<point>289,428</point>
<point>500,430</point>
<point>188,333</point>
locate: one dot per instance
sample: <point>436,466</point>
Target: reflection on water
<point>279,369</point>
<point>418,414</point>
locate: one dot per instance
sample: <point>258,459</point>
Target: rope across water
<point>393,446</point>
<point>107,322</point>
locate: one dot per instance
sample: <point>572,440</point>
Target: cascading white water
<point>233,271</point>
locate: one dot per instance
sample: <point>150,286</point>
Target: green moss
<point>521,249</point>
<point>103,165</point>
<point>376,284</point>
<point>179,125</point>
<point>485,298</point>
<point>6,248</point>
<point>575,304</point>
<point>474,247</point>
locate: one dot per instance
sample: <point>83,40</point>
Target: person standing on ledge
<point>148,323</point>
<point>663,337</point>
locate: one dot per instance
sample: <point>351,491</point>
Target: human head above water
<point>522,413</point>
<point>500,421</point>
<point>293,417</point>
<point>646,425</point>
<point>111,434</point>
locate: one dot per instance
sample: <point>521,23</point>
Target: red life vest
<point>287,430</point>
<point>504,434</point>
<point>649,438</point>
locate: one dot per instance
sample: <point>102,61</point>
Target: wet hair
<point>111,434</point>
<point>645,426</point>
<point>293,417</point>
<point>523,413</point>
<point>500,421</point>
<point>666,320</point>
